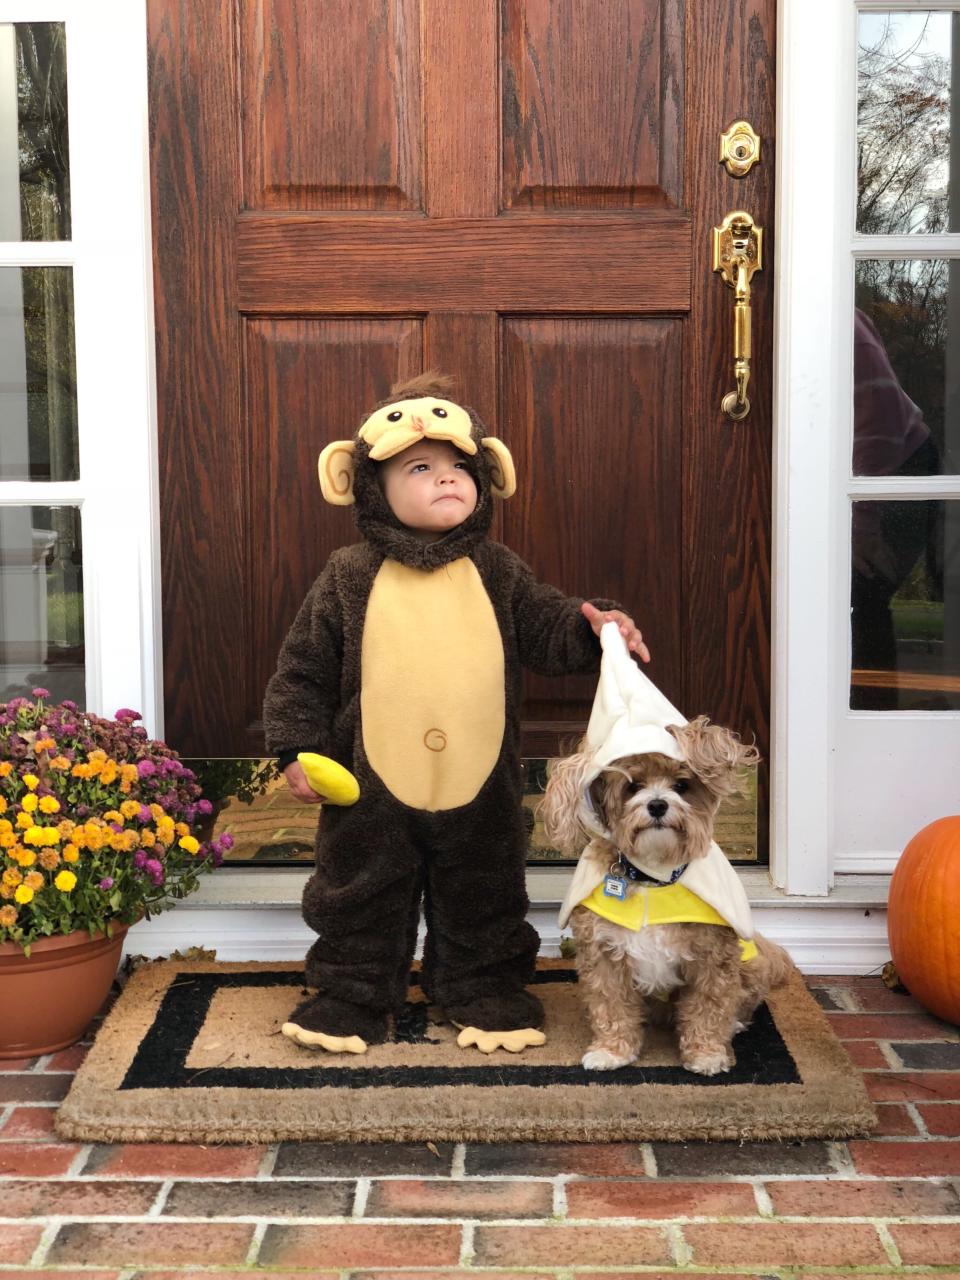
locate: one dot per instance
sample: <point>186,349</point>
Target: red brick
<point>152,1243</point>
<point>242,1275</point>
<point>75,1199</point>
<point>361,1245</point>
<point>68,1059</point>
<point>881,1000</point>
<point>569,1246</point>
<point>906,1159</point>
<point>932,1244</point>
<point>884,1026</point>
<point>895,1121</point>
<point>36,1086</point>
<point>546,1159</point>
<point>18,1243</point>
<point>29,1122</point>
<point>659,1199</point>
<point>115,1275</point>
<point>17,1064</point>
<point>472,1274</point>
<point>839,1198</point>
<point>36,1160</point>
<point>913,1086</point>
<point>865,1054</point>
<point>943,1119</point>
<point>468,1199</point>
<point>783,1244</point>
<point>174,1160</point>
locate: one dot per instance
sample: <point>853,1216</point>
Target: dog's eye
<point>634,786</point>
<point>681,785</point>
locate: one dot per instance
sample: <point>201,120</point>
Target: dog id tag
<point>614,887</point>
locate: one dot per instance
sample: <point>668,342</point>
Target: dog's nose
<point>657,808</point>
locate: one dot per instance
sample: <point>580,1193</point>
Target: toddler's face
<point>429,487</point>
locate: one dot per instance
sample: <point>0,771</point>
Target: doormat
<point>192,1052</point>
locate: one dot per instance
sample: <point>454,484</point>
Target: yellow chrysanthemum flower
<point>65,881</point>
<point>94,841</point>
<point>5,824</point>
<point>8,917</point>
<point>44,744</point>
<point>49,804</point>
<point>6,891</point>
<point>33,880</point>
<point>33,835</point>
<point>12,877</point>
<point>3,805</point>
<point>50,836</point>
<point>97,757</point>
<point>23,895</point>
<point>49,859</point>
<point>24,821</point>
<point>30,780</point>
<point>182,829</point>
<point>128,772</point>
<point>71,853</point>
<point>7,840</point>
<point>157,812</point>
<point>116,841</point>
<point>60,762</point>
<point>26,857</point>
<point>109,774</point>
<point>81,771</point>
<point>129,808</point>
<point>6,768</point>
<point>65,826</point>
<point>147,838</point>
<point>29,802</point>
<point>190,843</point>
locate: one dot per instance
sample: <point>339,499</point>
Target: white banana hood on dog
<point>629,718</point>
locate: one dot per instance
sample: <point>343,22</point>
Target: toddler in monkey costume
<point>404,666</point>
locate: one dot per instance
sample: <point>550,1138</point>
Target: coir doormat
<point>192,1052</point>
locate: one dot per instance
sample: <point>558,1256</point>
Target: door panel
<point>519,192</point>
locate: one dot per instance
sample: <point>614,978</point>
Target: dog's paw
<point>710,1062</point>
<point>604,1060</point>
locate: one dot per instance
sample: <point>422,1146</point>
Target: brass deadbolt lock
<point>739,148</point>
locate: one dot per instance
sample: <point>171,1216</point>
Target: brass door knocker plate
<point>737,255</point>
<point>739,148</point>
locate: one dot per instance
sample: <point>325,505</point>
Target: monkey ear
<point>503,477</point>
<point>336,469</point>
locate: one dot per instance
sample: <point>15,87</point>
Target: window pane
<point>38,378</point>
<point>904,74</point>
<point>906,389</point>
<point>34,151</point>
<point>41,602</point>
<point>905,606</point>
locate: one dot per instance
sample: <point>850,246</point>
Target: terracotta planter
<point>49,998</point>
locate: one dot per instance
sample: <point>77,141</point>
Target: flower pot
<point>49,998</point>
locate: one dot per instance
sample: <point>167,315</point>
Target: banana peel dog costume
<point>629,718</point>
<point>404,667</point>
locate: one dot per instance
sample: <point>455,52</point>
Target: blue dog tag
<point>614,887</point>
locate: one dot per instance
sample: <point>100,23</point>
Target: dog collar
<point>628,871</point>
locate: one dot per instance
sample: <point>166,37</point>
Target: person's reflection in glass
<point>890,438</point>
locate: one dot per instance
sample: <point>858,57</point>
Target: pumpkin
<point>923,918</point>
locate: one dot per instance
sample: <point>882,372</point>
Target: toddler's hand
<point>298,784</point>
<point>628,628</point>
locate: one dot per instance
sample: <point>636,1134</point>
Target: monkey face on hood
<point>416,410</point>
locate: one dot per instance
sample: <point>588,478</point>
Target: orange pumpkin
<point>923,918</point>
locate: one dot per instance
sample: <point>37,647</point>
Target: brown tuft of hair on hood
<point>430,383</point>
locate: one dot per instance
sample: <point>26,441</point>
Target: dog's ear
<point>560,806</point>
<point>714,754</point>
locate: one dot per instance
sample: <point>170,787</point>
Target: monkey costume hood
<point>405,665</point>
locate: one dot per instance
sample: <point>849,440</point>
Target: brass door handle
<point>737,254</point>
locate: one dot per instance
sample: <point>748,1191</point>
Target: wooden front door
<point>520,193</point>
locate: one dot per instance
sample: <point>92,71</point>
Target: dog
<point>657,815</point>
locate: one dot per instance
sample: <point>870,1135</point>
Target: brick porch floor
<point>889,1205</point>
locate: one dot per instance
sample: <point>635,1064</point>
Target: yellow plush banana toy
<point>329,779</point>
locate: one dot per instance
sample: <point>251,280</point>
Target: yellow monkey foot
<point>512,1041</point>
<point>320,1040</point>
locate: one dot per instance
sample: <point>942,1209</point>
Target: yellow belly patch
<point>432,692</point>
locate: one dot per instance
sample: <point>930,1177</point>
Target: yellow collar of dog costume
<point>666,904</point>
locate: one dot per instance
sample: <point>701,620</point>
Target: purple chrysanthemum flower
<point>204,807</point>
<point>140,859</point>
<point>144,815</point>
<point>125,713</point>
<point>40,693</point>
<point>146,768</point>
<point>106,883</point>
